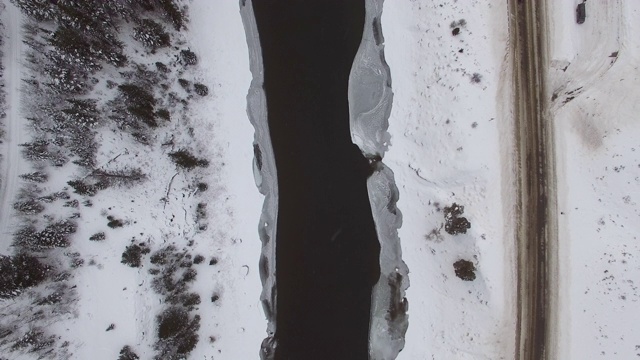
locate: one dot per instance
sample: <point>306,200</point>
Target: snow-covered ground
<point>233,326</point>
<point>161,210</point>
<point>451,141</point>
<point>12,164</point>
<point>594,72</point>
<point>217,34</point>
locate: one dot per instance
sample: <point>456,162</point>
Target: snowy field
<point>108,304</point>
<point>451,142</point>
<point>594,72</point>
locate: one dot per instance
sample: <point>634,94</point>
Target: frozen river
<point>327,250</point>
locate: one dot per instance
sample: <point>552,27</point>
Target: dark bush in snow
<point>126,353</point>
<point>202,186</point>
<point>163,256</point>
<point>20,272</point>
<point>98,236</point>
<point>177,333</point>
<point>114,223</point>
<point>172,12</point>
<point>201,212</point>
<point>139,103</point>
<point>54,235</point>
<point>162,68</point>
<point>151,34</point>
<point>465,270</point>
<point>188,57</point>
<point>163,114</point>
<point>186,84</point>
<point>50,299</point>
<point>186,160</point>
<point>201,89</point>
<point>66,79</point>
<point>35,340</point>
<point>72,46</point>
<point>82,188</point>
<point>40,150</point>
<point>36,177</point>
<point>189,275</point>
<point>122,177</point>
<point>198,259</point>
<point>81,112</point>
<point>40,10</point>
<point>454,223</point>
<point>189,300</point>
<point>132,255</point>
<point>29,207</point>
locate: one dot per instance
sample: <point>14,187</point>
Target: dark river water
<point>327,251</point>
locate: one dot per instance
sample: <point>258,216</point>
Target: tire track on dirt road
<point>536,235</point>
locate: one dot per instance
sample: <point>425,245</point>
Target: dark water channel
<point>327,251</point>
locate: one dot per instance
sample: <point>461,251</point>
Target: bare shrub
<point>20,272</point>
<point>126,353</point>
<point>98,236</point>
<point>132,254</point>
<point>188,57</point>
<point>465,270</point>
<point>53,236</point>
<point>151,34</point>
<point>177,333</point>
<point>184,159</point>
<point>201,89</point>
<point>454,222</point>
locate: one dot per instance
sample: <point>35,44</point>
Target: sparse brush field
<point>113,212</point>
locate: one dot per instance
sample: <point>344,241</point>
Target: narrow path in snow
<point>537,230</point>
<point>13,164</point>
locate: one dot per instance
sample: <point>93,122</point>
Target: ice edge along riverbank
<point>264,170</point>
<point>370,100</point>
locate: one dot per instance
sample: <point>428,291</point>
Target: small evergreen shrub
<point>185,160</point>
<point>465,270</point>
<point>132,254</point>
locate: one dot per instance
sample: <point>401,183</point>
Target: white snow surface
<point>239,323</point>
<point>451,142</point>
<point>598,157</point>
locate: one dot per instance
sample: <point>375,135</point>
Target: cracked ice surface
<point>370,99</point>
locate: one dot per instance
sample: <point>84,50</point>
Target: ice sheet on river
<point>370,100</point>
<point>264,169</point>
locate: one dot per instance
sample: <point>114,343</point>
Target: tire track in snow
<point>13,164</point>
<point>537,225</point>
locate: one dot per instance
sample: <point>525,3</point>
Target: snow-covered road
<point>12,165</point>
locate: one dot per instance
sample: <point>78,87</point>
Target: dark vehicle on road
<point>581,13</point>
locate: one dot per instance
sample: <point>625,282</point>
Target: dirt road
<point>537,230</point>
